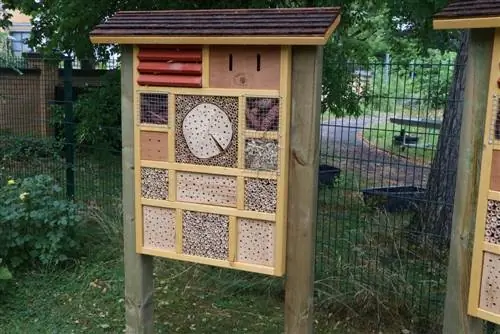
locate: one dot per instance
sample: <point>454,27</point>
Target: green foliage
<point>15,147</point>
<point>36,225</point>
<point>420,83</point>
<point>5,275</point>
<point>368,28</point>
<point>97,114</point>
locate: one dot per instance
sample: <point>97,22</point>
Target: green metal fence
<point>63,120</point>
<point>375,169</point>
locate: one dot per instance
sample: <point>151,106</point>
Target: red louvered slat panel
<point>170,68</point>
<point>170,55</point>
<point>170,80</point>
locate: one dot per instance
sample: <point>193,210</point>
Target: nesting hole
<point>490,288</point>
<point>159,228</point>
<point>261,195</point>
<point>256,241</point>
<point>206,189</point>
<point>217,147</point>
<point>154,183</point>
<point>205,235</point>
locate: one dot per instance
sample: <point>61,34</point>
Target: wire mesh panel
<point>154,108</point>
<point>381,242</point>
<point>262,114</point>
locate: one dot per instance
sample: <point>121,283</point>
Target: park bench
<point>404,140</point>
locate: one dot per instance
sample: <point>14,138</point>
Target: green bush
<point>36,225</point>
<point>15,147</point>
<point>5,275</point>
<point>97,114</point>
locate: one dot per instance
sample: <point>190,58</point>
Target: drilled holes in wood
<point>261,195</point>
<point>261,154</point>
<point>256,241</point>
<point>205,235</point>
<point>154,183</point>
<point>262,114</point>
<point>489,299</point>
<point>159,228</point>
<point>153,145</point>
<point>154,108</point>
<point>206,189</point>
<point>207,130</point>
<point>223,145</point>
<point>492,231</point>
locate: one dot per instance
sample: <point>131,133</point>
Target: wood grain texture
<point>236,67</point>
<point>303,169</point>
<point>456,319</point>
<point>154,146</point>
<point>489,299</point>
<point>138,268</point>
<point>206,189</point>
<point>495,171</point>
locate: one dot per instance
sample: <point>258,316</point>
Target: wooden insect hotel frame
<point>482,106</point>
<point>211,137</point>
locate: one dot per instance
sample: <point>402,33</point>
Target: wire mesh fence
<point>52,123</point>
<point>64,120</point>
<point>371,254</point>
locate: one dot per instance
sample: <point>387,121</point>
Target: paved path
<point>342,145</point>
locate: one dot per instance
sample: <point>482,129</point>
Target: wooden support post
<point>303,181</point>
<point>138,268</point>
<point>456,319</point>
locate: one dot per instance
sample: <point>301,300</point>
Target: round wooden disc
<point>207,130</point>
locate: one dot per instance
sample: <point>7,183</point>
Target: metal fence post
<point>69,128</point>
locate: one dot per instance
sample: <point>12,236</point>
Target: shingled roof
<point>462,14</point>
<point>220,26</point>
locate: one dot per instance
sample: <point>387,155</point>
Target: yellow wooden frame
<point>208,91</point>
<point>467,23</point>
<point>240,173</point>
<point>485,194</point>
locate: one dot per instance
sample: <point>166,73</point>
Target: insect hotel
<point>482,97</point>
<point>211,97</point>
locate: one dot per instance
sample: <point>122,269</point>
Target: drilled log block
<point>205,235</point>
<point>206,189</point>
<point>256,242</point>
<point>219,145</point>
<point>490,288</point>
<point>154,183</point>
<point>261,195</point>
<point>159,227</point>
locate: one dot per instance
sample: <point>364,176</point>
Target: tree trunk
<point>433,220</point>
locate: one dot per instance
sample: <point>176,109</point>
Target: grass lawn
<point>369,280</point>
<point>382,135</point>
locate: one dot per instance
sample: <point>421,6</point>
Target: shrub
<point>97,114</point>
<point>5,275</point>
<point>37,226</point>
<point>14,147</point>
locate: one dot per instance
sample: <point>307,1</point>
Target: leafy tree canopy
<point>368,28</point>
